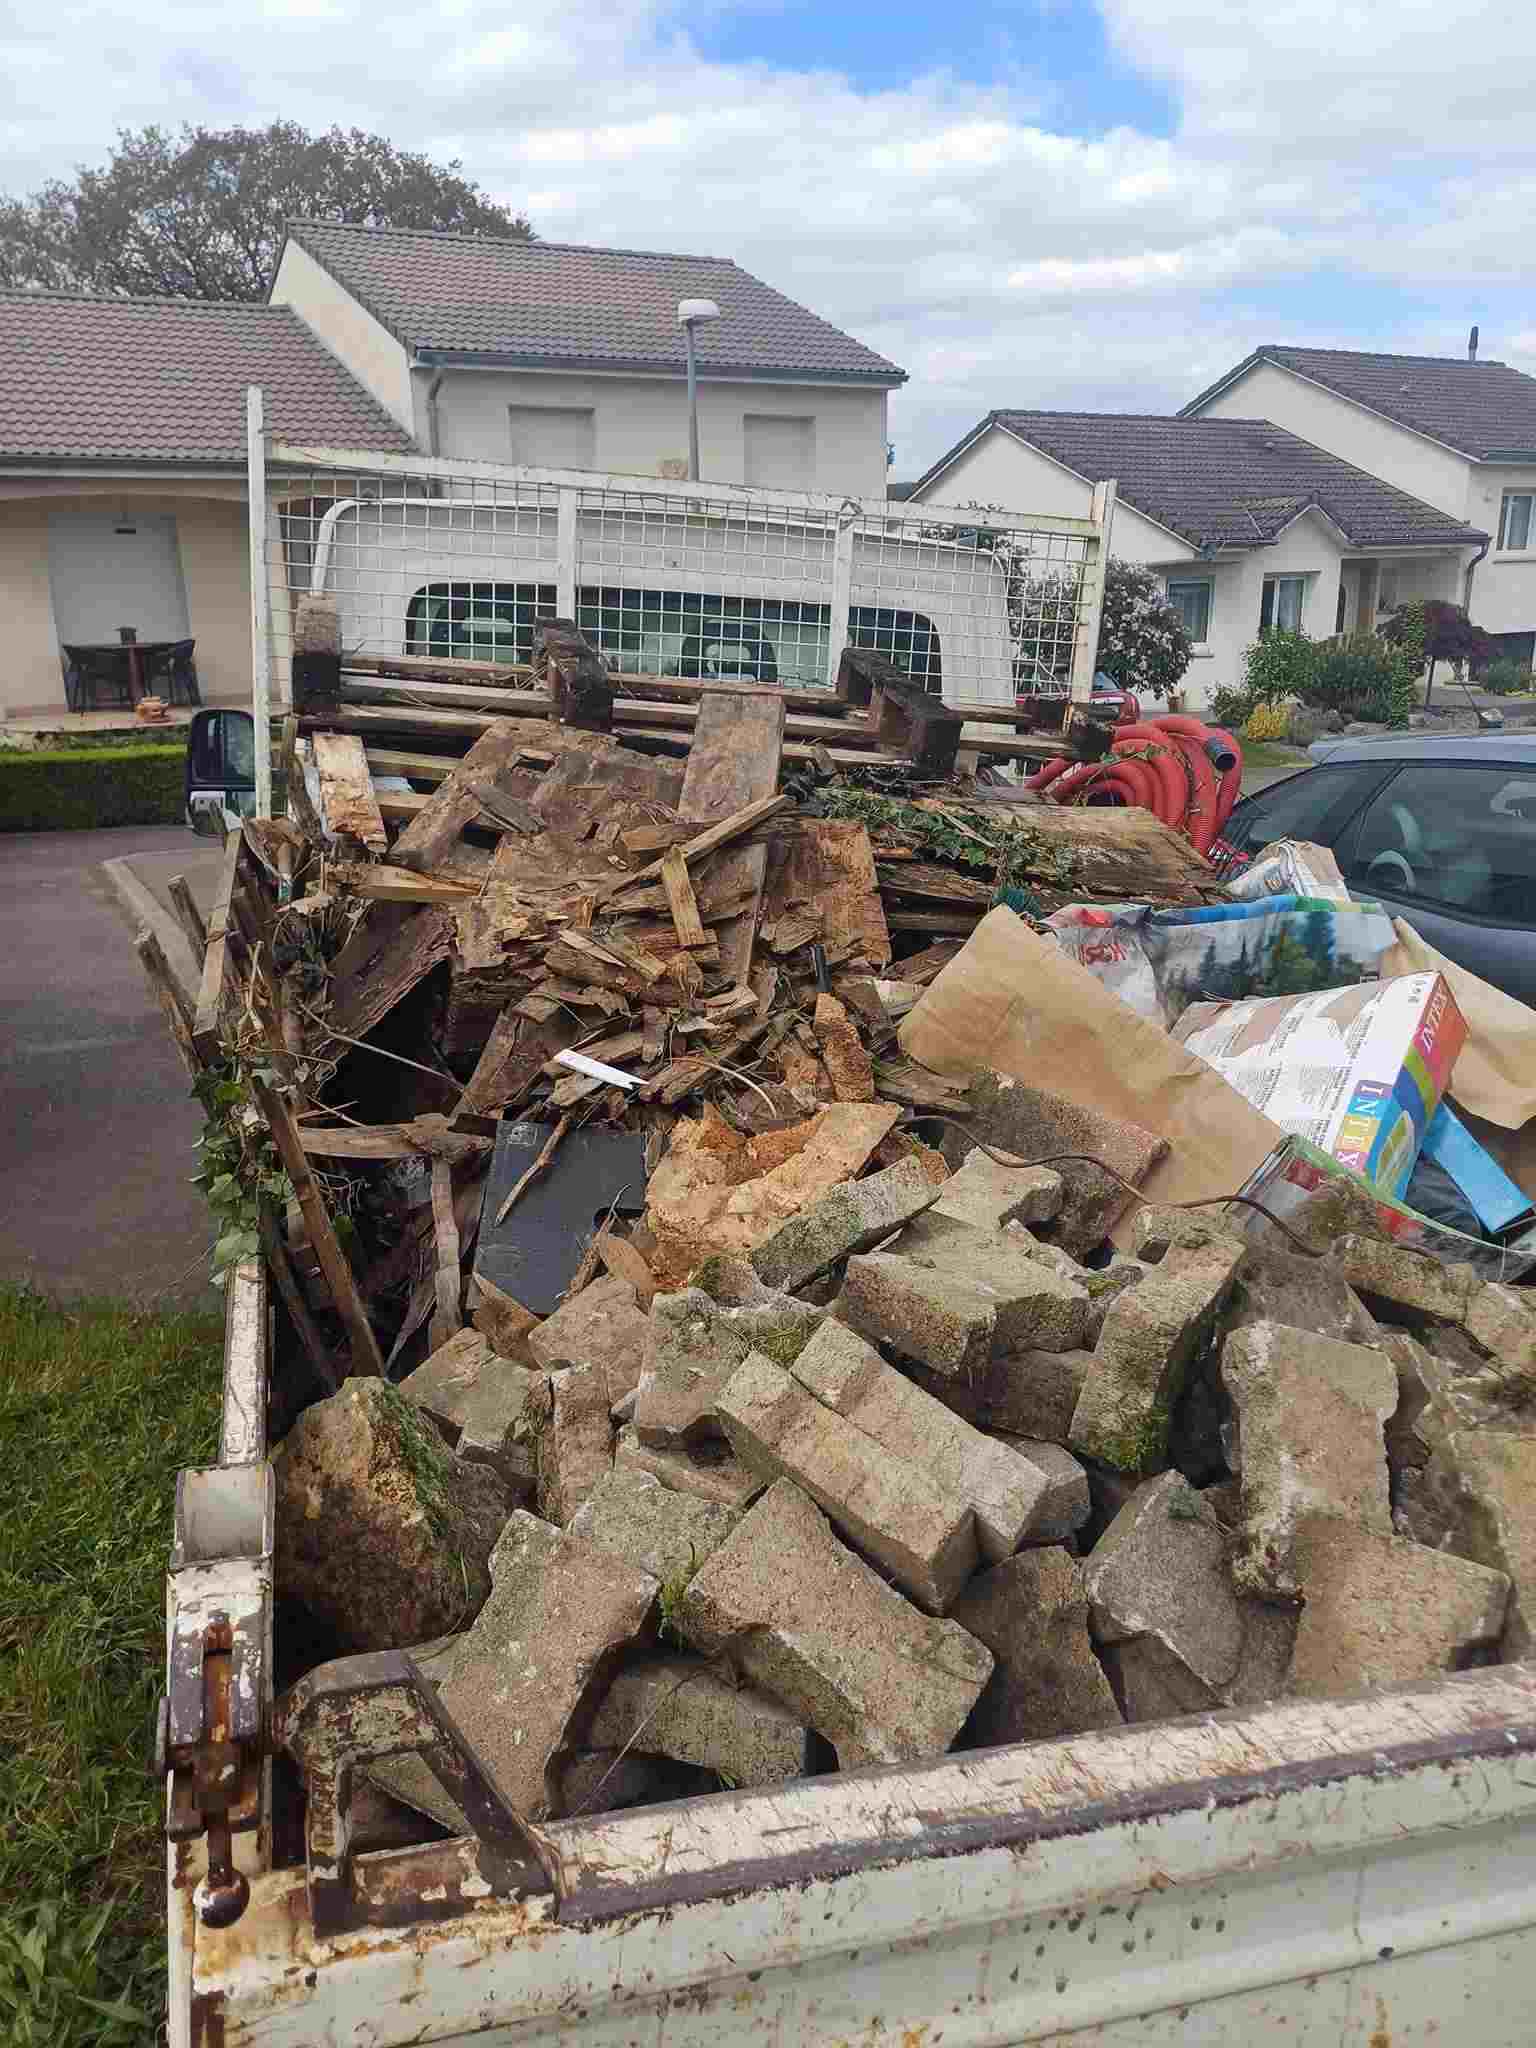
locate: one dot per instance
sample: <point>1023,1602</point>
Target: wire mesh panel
<point>459,561</point>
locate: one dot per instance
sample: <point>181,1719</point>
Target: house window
<point>1515,522</point>
<point>554,436</point>
<point>1192,602</point>
<point>779,450</point>
<point>1282,603</point>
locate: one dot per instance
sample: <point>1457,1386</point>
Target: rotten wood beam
<point>681,901</point>
<point>448,1317</point>
<point>210,997</point>
<point>191,919</point>
<point>168,993</point>
<point>347,800</point>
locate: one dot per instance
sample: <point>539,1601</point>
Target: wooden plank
<point>481,774</point>
<point>959,921</point>
<point>364,1346</point>
<point>168,994</point>
<point>921,968</point>
<point>490,686</point>
<point>387,967</point>
<point>192,920</point>
<point>291,760</point>
<point>448,1316</point>
<point>383,882</point>
<point>210,995</point>
<point>681,901</point>
<point>827,865</point>
<point>734,763</point>
<point>300,1314</point>
<point>747,819</point>
<point>350,808</point>
<point>391,1141</point>
<point>930,883</point>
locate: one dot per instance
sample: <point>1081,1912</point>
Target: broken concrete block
<point>682,1707</point>
<point>559,1616</point>
<point>572,1439</point>
<point>809,1622</point>
<point>1306,1294</point>
<point>987,1195</point>
<point>849,1067</point>
<point>381,1531</point>
<point>1007,1493</point>
<point>1066,1504</point>
<point>1478,1497</point>
<point>694,1345</point>
<point>1308,1416</point>
<point>1152,1685</point>
<point>710,1471</point>
<point>479,1402</point>
<point>850,1218</point>
<point>893,1510</point>
<point>1160,1569</point>
<point>1151,1336</point>
<point>1026,1393</point>
<point>602,1326</point>
<point>1381,1611</point>
<point>1031,1123</point>
<point>945,1323</point>
<point>1159,1233</point>
<point>667,1534</point>
<point>1500,1322</point>
<point>1037,1308</point>
<point>1402,1286</point>
<point>1032,1613</point>
<point>1104,1290</point>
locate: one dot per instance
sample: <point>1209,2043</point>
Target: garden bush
<point>79,789</point>
<point>1357,678</point>
<point>1507,677</point>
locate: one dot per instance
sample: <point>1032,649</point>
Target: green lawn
<point>100,1405</point>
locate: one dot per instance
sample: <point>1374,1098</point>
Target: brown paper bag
<point>1014,1001</point>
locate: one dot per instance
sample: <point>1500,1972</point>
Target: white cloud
<point>1384,145</point>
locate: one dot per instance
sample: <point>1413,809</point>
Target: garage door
<point>110,570</point>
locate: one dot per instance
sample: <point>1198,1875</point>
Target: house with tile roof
<point>1458,432</point>
<point>572,358</point>
<point>122,477</point>
<point>1247,525</point>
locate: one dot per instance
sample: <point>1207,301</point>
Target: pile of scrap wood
<point>707,1391</point>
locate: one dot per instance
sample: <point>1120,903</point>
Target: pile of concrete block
<point>907,1475</point>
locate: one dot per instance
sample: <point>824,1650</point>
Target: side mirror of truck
<point>221,771</point>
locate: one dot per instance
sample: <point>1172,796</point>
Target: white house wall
<point>348,329</point>
<point>641,423</point>
<point>1000,470</point>
<point>1436,474</point>
<point>1504,587</point>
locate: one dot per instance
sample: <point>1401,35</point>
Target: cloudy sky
<point>1043,204</point>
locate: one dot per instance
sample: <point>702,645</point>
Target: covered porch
<point>1373,586</point>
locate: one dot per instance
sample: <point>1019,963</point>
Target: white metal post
<point>693,403</point>
<point>1085,652</point>
<point>565,553</point>
<point>256,525</point>
<point>842,591</point>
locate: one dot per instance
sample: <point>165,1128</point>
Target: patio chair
<point>172,673</point>
<point>95,678</point>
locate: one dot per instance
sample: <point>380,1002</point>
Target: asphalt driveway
<point>97,1124</point>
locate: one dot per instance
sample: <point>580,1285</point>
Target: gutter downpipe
<point>434,446</point>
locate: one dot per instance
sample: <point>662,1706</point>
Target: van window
<point>669,632</point>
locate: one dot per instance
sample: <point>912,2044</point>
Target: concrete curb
<point>141,906</point>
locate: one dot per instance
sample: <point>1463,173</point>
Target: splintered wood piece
<point>653,838</point>
<point>929,883</point>
<point>550,1147</point>
<point>681,901</point>
<point>347,800</point>
<point>191,917</point>
<point>460,798</point>
<point>300,1314</point>
<point>826,865</point>
<point>625,1262</point>
<point>448,1317</point>
<point>169,995</point>
<point>423,1136</point>
<point>653,1035</point>
<point>960,921</point>
<point>366,1357</point>
<point>210,995</point>
<point>734,763</point>
<point>386,883</point>
<point>921,968</point>
<point>747,819</point>
<point>403,955</point>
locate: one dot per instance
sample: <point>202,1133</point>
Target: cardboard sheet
<point>1013,1000</point>
<point>1495,1073</point>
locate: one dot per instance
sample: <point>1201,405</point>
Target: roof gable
<point>552,304</point>
<point>164,381</point>
<point>1226,483</point>
<point>1484,410</point>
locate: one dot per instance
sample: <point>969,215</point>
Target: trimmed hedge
<point>80,789</point>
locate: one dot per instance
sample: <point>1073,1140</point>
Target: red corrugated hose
<point>1186,773</point>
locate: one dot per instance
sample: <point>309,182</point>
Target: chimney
<point>1472,346</point>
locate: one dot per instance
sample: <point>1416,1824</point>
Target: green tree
<point>202,214</point>
<point>1447,635</point>
<point>1289,969</point>
<point>1317,937</point>
<point>1142,641</point>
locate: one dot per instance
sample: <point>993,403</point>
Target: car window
<point>1462,839</point>
<point>1315,805</point>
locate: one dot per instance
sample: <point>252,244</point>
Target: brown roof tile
<point>1486,410</point>
<point>164,381</point>
<point>553,302</point>
<point>1228,483</point>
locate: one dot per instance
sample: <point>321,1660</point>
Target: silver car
<point>1442,831</point>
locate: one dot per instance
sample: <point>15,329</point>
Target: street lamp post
<point>692,313</point>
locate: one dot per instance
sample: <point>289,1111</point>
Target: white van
<point>662,587</point>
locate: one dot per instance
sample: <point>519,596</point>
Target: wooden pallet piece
<point>210,995</point>
<point>733,763</point>
<point>346,791</point>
